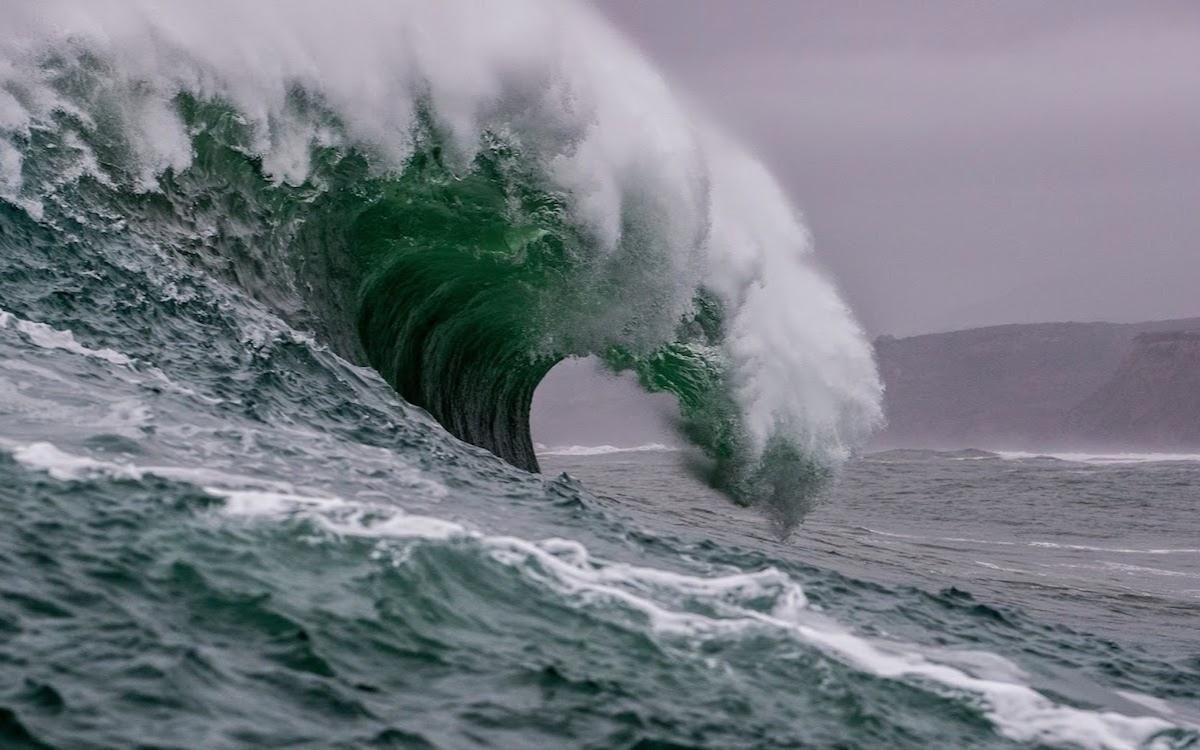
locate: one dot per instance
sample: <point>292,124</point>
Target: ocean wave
<point>460,216</point>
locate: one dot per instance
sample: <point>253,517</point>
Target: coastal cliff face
<point>1095,385</point>
<point>1153,399</point>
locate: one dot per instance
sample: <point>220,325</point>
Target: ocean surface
<point>1105,540</point>
<point>277,285</point>
<point>275,551</point>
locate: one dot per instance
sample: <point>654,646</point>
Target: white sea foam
<point>62,465</point>
<point>1120,550</point>
<point>336,515</point>
<point>67,466</point>
<point>603,450</point>
<point>46,337</point>
<point>239,487</point>
<point>1044,544</point>
<point>1103,459</point>
<point>1144,569</point>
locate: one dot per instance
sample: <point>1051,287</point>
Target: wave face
<point>460,202</point>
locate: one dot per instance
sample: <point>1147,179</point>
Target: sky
<point>964,163</point>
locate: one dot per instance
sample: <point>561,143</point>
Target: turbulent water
<point>277,282</point>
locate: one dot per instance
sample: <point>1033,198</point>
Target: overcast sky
<point>965,163</point>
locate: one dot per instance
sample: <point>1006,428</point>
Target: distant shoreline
<point>1106,386</point>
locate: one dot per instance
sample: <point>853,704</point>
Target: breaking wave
<point>459,203</point>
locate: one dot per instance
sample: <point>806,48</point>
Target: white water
<point>44,336</point>
<point>1102,459</point>
<point>553,78</point>
<point>603,450</point>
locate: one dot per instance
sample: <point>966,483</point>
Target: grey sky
<point>965,163</point>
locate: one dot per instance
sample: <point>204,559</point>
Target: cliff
<point>1152,400</point>
<point>1044,385</point>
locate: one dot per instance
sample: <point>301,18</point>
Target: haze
<point>964,164</point>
